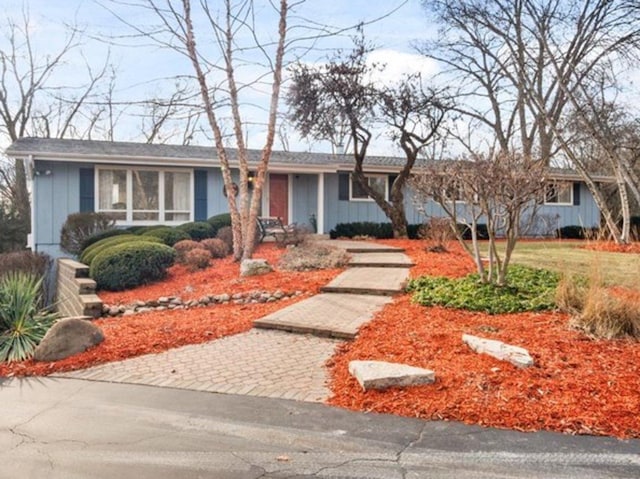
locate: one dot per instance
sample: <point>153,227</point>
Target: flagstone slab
<point>504,352</point>
<point>383,375</point>
<point>377,281</point>
<point>381,260</point>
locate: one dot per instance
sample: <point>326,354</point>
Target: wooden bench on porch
<point>282,234</point>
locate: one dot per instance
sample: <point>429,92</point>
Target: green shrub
<point>197,259</point>
<point>168,235</point>
<point>22,323</point>
<point>528,289</point>
<point>368,228</point>
<point>131,264</point>
<point>100,236</point>
<point>198,230</point>
<point>217,247</point>
<point>481,229</point>
<point>13,228</point>
<point>139,230</point>
<point>183,247</point>
<point>570,232</point>
<point>80,226</point>
<point>219,221</point>
<point>35,264</point>
<point>92,251</point>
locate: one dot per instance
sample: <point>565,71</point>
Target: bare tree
<point>31,103</point>
<point>340,100</point>
<point>215,52</point>
<point>502,189</point>
<point>522,64</point>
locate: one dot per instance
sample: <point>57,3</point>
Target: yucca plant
<point>23,323</point>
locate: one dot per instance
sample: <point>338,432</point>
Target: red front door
<point>279,197</point>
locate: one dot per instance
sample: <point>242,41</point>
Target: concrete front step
<point>381,260</point>
<point>374,280</point>
<point>326,315</point>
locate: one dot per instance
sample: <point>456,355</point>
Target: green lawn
<point>616,268</point>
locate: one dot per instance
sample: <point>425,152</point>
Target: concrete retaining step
<point>380,260</point>
<point>374,280</point>
<point>325,315</point>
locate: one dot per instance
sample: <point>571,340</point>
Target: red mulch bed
<point>223,276</point>
<point>577,386</point>
<point>611,247</point>
<point>156,331</point>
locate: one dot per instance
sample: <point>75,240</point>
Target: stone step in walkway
<point>332,315</point>
<point>257,363</point>
<point>380,260</point>
<point>370,280</point>
<point>362,246</point>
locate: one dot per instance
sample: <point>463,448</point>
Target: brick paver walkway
<point>268,362</point>
<point>258,363</point>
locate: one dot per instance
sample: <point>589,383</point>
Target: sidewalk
<point>270,362</point>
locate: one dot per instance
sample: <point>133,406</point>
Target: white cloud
<point>398,64</point>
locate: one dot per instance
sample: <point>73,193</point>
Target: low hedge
<point>573,232</point>
<point>92,251</point>
<point>219,221</point>
<point>481,229</point>
<point>368,228</point>
<point>198,230</point>
<point>140,230</point>
<point>100,236</point>
<point>168,235</point>
<point>131,264</point>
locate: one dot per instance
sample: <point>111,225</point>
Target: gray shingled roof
<point>88,149</point>
<point>92,148</point>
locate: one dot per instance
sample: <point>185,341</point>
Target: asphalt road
<point>65,428</point>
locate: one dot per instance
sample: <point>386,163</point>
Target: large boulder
<point>68,337</point>
<point>504,352</point>
<point>253,267</point>
<point>383,375</point>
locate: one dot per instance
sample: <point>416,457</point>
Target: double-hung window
<point>142,195</point>
<point>378,183</point>
<point>559,193</point>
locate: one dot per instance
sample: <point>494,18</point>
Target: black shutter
<point>200,195</point>
<point>392,178</point>
<point>343,186</point>
<point>576,193</point>
<point>87,190</point>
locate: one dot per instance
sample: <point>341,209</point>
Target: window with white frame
<point>559,193</point>
<point>378,183</point>
<point>143,195</point>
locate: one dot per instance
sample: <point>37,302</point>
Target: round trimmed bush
<point>168,235</point>
<point>92,251</point>
<point>100,236</point>
<point>197,259</point>
<point>131,264</point>
<point>198,230</point>
<point>140,230</point>
<point>219,221</point>
<point>217,247</point>
<point>183,247</point>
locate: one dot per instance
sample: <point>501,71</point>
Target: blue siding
<point>56,196</point>
<point>200,195</point>
<point>304,198</point>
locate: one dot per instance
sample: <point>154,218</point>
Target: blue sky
<point>139,69</point>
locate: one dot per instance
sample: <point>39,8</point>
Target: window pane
<point>176,217</point>
<point>177,193</point>
<point>564,193</point>
<point>560,192</point>
<point>145,216</point>
<point>378,184</point>
<point>356,190</point>
<point>112,190</point>
<point>145,190</point>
